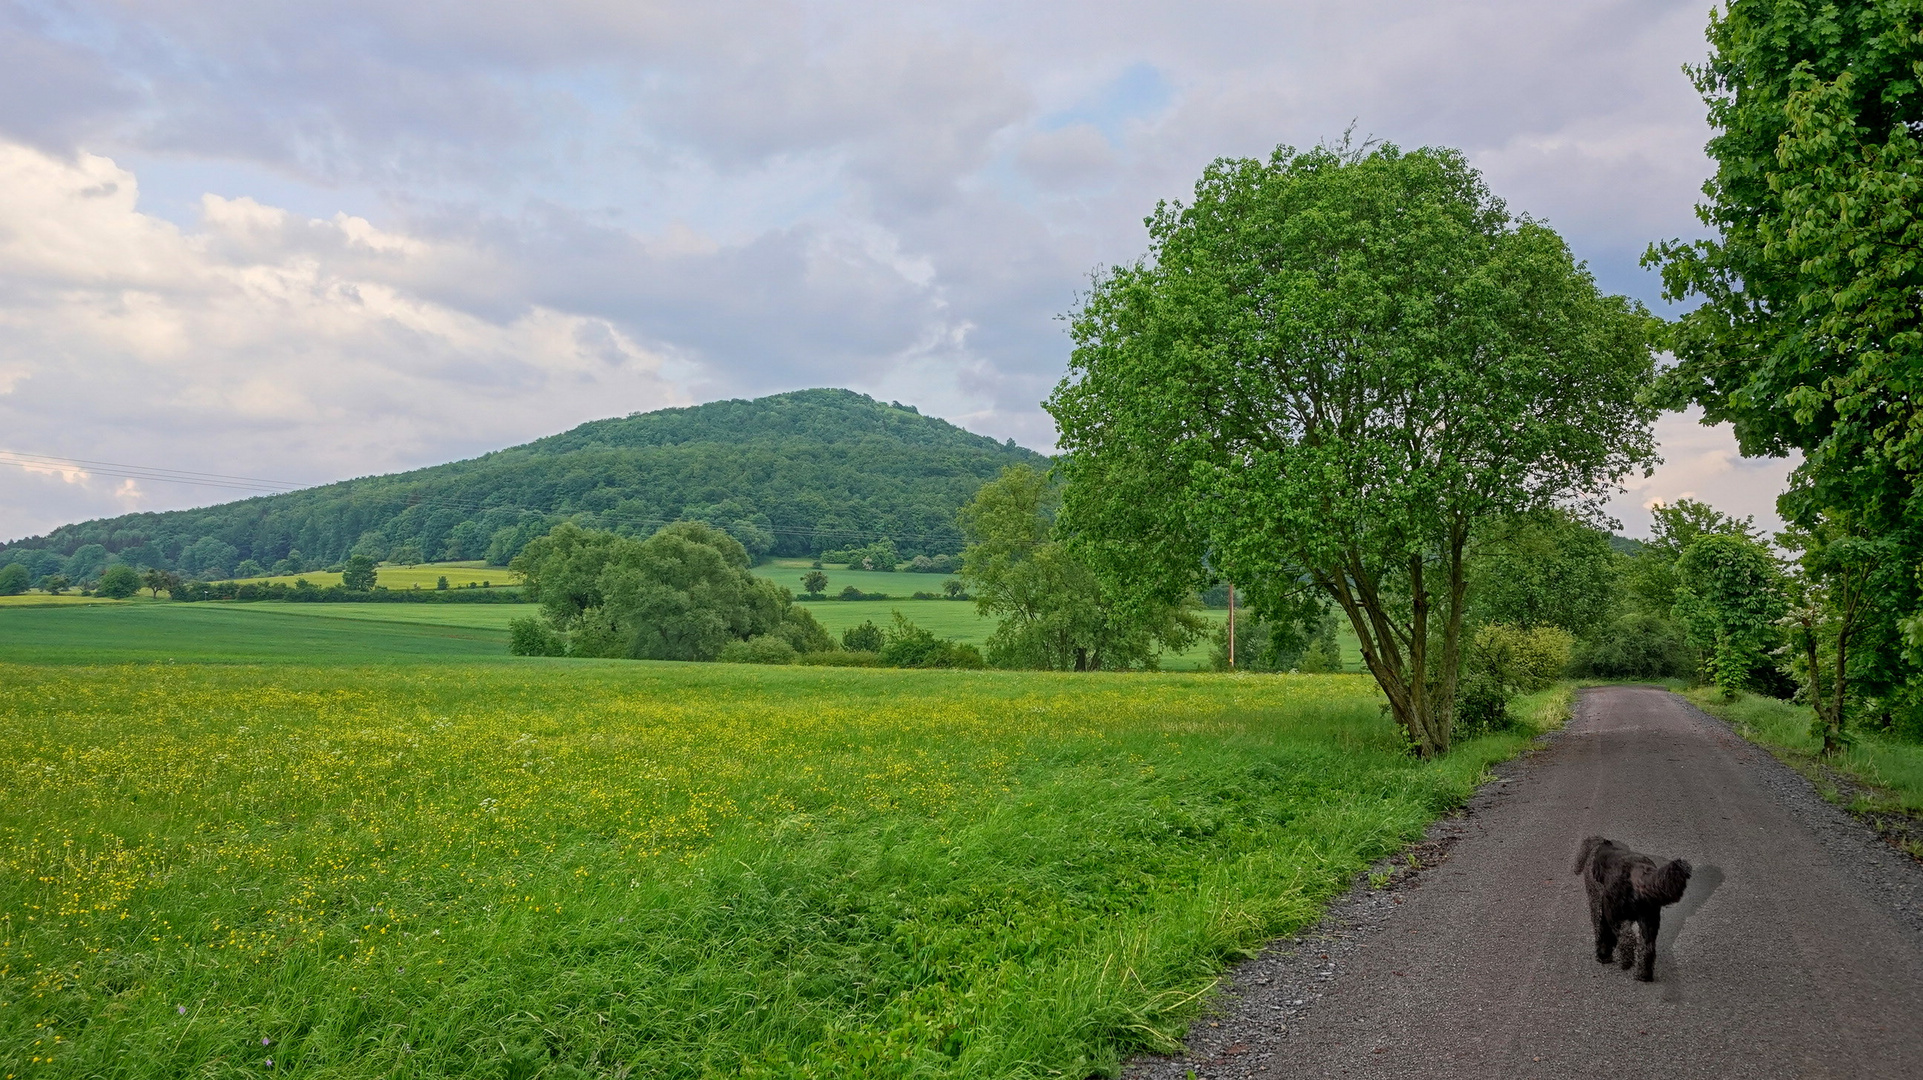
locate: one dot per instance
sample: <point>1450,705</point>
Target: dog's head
<point>1662,884</point>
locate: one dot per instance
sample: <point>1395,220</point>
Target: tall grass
<point>581,869</point>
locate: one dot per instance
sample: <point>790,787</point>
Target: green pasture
<point>525,867</point>
<point>121,631</point>
<point>425,575</point>
<point>898,585</point>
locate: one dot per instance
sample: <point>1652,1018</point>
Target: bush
<point>14,579</point>
<point>864,638</point>
<point>1501,662</point>
<point>119,582</point>
<point>911,646</point>
<point>839,658</point>
<point>1518,660</point>
<point>1634,647</point>
<point>530,637</point>
<point>762,649</point>
<point>1481,707</point>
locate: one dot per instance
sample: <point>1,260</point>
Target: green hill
<point>793,474</point>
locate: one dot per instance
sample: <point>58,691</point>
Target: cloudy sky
<point>304,242</point>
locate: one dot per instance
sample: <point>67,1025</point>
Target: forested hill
<point>791,474</point>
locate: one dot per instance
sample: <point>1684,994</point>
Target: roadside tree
<point>1331,369</point>
<point>1729,594</point>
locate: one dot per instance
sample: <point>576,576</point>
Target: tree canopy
<point>1331,367</point>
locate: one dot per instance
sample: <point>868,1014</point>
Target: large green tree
<point>681,594</point>
<point>1729,596</point>
<point>1330,370</point>
<point>1809,336</point>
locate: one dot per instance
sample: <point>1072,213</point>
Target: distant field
<point>522,867</point>
<point>899,584</point>
<point>44,600</point>
<point>118,631</point>
<point>426,575</point>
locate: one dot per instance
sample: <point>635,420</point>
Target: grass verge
<point>1877,779</point>
<point>580,868</point>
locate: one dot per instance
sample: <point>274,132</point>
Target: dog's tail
<point>1588,848</point>
<point>1664,884</point>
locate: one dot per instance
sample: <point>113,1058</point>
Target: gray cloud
<point>649,202</point>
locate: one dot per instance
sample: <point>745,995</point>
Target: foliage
<point>909,646</point>
<point>1543,570</point>
<point>510,868</point>
<point>1808,337</point>
<point>359,574</point>
<point>864,638</point>
<point>1332,369</point>
<point>155,580</point>
<point>14,579</point>
<point>762,649</point>
<point>55,584</point>
<point>681,594</point>
<point>1505,662</point>
<point>814,583</point>
<point>1729,594</point>
<point>1634,645</point>
<point>529,636</point>
<point>791,474</point>
<point>1055,612</point>
<point>118,582</point>
<point>1301,638</point>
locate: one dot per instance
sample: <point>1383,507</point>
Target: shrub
<point>1501,662</point>
<point>839,658</point>
<point>119,582</point>
<point>14,579</point>
<point>530,637</point>
<point>864,638</point>
<point>1481,707</point>
<point>761,649</point>
<point>911,646</point>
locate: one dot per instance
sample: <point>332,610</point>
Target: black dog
<point>1625,887</point>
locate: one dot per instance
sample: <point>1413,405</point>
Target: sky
<point>305,242</point>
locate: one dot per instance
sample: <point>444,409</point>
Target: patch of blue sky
<point>1139,92</point>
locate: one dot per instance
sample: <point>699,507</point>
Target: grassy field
<point>1894,766</point>
<point>426,575</point>
<point>228,633</point>
<point>38,599</point>
<point>900,584</point>
<point>520,867</point>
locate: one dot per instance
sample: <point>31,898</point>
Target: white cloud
<point>1702,463</point>
<point>293,345</point>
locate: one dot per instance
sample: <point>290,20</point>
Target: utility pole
<point>1231,626</point>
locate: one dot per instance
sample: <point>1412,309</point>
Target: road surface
<point>1797,951</point>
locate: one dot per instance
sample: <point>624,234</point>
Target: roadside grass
<point>552,868</point>
<point>167,632</point>
<point>1876,775</point>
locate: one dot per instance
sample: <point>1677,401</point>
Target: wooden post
<point>1231,626</point>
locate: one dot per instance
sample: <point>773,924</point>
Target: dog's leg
<point>1605,937</point>
<point>1626,947</point>
<point>1649,924</point>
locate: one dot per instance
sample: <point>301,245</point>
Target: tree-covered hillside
<point>791,474</point>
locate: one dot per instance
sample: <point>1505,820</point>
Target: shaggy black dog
<point>1625,888</point>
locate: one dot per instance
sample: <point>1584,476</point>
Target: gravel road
<point>1797,951</point>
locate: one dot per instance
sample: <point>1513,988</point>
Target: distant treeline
<point>795,474</point>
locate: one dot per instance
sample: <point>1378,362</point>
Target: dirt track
<point>1798,950</point>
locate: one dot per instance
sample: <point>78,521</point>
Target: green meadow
<point>421,575</point>
<point>355,845</point>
